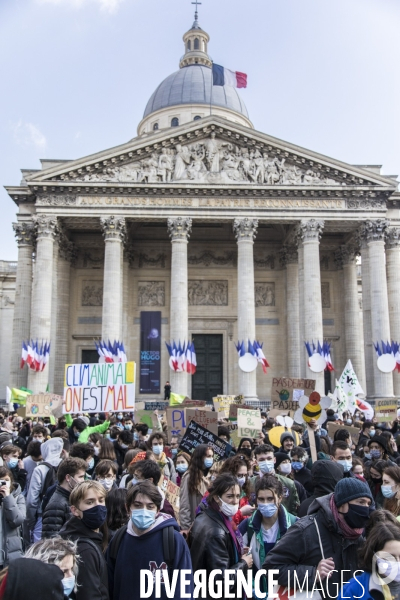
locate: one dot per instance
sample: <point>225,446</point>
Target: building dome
<point>187,94</point>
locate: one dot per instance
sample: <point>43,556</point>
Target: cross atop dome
<point>196,14</point>
<point>196,43</point>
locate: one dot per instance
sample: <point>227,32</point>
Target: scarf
<point>347,531</point>
<point>235,535</point>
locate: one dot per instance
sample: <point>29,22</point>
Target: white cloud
<point>27,134</point>
<point>109,6</point>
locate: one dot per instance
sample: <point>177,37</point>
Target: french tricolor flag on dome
<point>222,76</point>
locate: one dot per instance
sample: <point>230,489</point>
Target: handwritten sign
<point>207,418</point>
<point>233,410</point>
<point>222,404</point>
<point>176,421</point>
<point>249,422</point>
<point>42,405</point>
<point>188,402</point>
<point>155,405</point>
<point>385,410</point>
<point>196,434</point>
<point>172,492</point>
<point>101,387</point>
<point>286,392</point>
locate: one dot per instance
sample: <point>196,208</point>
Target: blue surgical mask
<point>135,436</point>
<point>387,491</point>
<point>128,427</point>
<point>375,453</point>
<point>68,584</point>
<point>91,464</point>
<point>346,464</point>
<point>367,455</point>
<point>143,518</point>
<point>119,416</point>
<point>77,434</point>
<point>174,451</point>
<point>297,465</point>
<point>12,463</point>
<point>372,432</point>
<point>208,462</point>
<point>267,510</point>
<point>241,480</point>
<point>181,468</point>
<point>158,449</point>
<point>266,466</point>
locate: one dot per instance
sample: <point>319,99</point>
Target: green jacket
<point>83,438</point>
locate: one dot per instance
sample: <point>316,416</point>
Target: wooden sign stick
<point>311,438</point>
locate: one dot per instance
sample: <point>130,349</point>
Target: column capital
<point>311,231</point>
<point>113,228</point>
<point>393,238</point>
<point>346,255</point>
<point>179,228</point>
<point>67,249</point>
<point>374,231</point>
<point>46,226</point>
<point>24,233</point>
<point>288,255</point>
<point>245,229</point>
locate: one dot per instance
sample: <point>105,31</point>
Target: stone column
<point>311,232</point>
<point>369,352</point>
<point>245,231</point>
<point>291,260</point>
<point>375,232</point>
<point>303,367</point>
<point>347,260</point>
<point>46,227</point>
<point>66,255</point>
<point>114,235</point>
<point>393,283</point>
<point>54,313</point>
<point>24,232</point>
<point>179,230</point>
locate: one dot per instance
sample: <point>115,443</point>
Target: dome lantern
<point>196,46</point>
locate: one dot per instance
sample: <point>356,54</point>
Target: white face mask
<point>229,510</point>
<point>96,451</point>
<point>106,483</point>
<point>389,568</point>
<point>285,468</point>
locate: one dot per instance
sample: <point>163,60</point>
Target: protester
<point>70,473</point>
<point>300,472</point>
<point>79,430</point>
<point>106,474</point>
<point>390,490</point>
<point>214,544</point>
<point>374,479</point>
<point>148,470</point>
<point>341,454</point>
<point>239,466</point>
<point>287,442</point>
<point>104,450</point>
<point>156,444</point>
<point>283,466</point>
<point>85,451</point>
<point>326,543</point>
<point>143,539</point>
<point>121,446</point>
<point>367,432</point>
<point>194,484</point>
<point>11,456</point>
<point>12,516</point>
<point>89,512</point>
<point>117,513</point>
<point>27,579</point>
<point>62,553</point>
<point>357,468</point>
<point>39,434</point>
<point>141,433</point>
<point>32,459</point>
<point>182,465</point>
<point>378,446</point>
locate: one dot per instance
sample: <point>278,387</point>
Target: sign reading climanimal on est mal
<point>102,387</point>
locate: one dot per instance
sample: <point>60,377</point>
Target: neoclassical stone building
<point>232,234</point>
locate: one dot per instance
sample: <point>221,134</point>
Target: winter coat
<point>84,435</point>
<point>13,513</point>
<point>92,577</point>
<point>363,587</point>
<point>19,476</point>
<point>51,451</point>
<point>325,475</point>
<point>299,551</point>
<point>30,578</point>
<point>29,466</point>
<point>305,478</point>
<point>189,501</point>
<point>212,547</point>
<point>56,513</point>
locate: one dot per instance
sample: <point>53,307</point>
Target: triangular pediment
<point>213,152</point>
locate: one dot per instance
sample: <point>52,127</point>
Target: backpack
<point>49,481</point>
<point>168,540</point>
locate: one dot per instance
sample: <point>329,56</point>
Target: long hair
<point>379,535</point>
<point>107,451</point>
<point>53,551</point>
<point>196,467</point>
<point>232,465</point>
<point>393,504</point>
<point>117,513</point>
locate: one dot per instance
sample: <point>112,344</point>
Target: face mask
<point>181,468</point>
<point>387,491</point>
<point>77,434</point>
<point>96,450</point>
<point>174,451</point>
<point>12,463</point>
<point>375,454</point>
<point>208,462</point>
<point>297,465</point>
<point>106,483</point>
<point>359,476</point>
<point>134,481</point>
<point>128,427</point>
<point>123,446</point>
<point>357,516</point>
<point>266,466</point>
<point>94,517</point>
<point>367,455</point>
<point>119,417</point>
<point>372,432</point>
<point>346,464</point>
<point>143,518</point>
<point>229,510</point>
<point>348,421</point>
<point>34,423</point>
<point>135,436</point>
<point>71,487</point>
<point>241,481</point>
<point>263,421</point>
<point>158,449</point>
<point>91,464</point>
<point>68,584</point>
<point>376,479</point>
<point>285,468</point>
<point>267,510</point>
<point>389,568</point>
<point>108,436</point>
<point>40,440</point>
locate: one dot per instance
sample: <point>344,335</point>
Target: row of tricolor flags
<point>34,354</point>
<point>182,357</point>
<point>323,350</point>
<point>255,349</point>
<point>392,348</point>
<point>111,352</point>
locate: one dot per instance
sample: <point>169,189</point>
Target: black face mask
<point>357,516</point>
<point>376,479</point>
<point>94,517</point>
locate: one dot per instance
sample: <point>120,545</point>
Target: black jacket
<point>92,576</point>
<point>299,551</point>
<point>325,474</point>
<point>56,513</point>
<point>305,478</point>
<point>211,545</point>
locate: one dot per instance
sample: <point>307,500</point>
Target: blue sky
<point>76,75</point>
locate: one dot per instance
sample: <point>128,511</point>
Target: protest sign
<point>154,405</point>
<point>233,410</point>
<point>42,405</point>
<point>172,492</point>
<point>222,404</point>
<point>286,392</point>
<point>385,410</point>
<point>354,431</point>
<point>140,406</point>
<point>249,422</point>
<point>188,402</point>
<point>196,434</point>
<point>100,387</point>
<point>144,416</point>
<point>176,421</point>
<point>207,418</point>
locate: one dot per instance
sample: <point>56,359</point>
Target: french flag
<point>222,76</point>
<point>24,355</point>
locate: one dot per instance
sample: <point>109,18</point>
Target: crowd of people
<point>84,509</point>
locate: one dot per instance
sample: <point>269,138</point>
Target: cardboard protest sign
<point>154,405</point>
<point>172,492</point>
<point>100,387</point>
<point>385,410</point>
<point>196,434</point>
<point>286,392</point>
<point>144,416</point>
<point>222,404</point>
<point>188,402</point>
<point>176,421</point>
<point>42,405</point>
<point>207,418</point>
<point>141,406</point>
<point>354,431</point>
<point>249,422</point>
<point>233,410</point>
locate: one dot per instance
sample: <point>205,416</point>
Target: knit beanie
<point>285,435</point>
<point>85,420</point>
<point>351,488</point>
<point>280,457</point>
